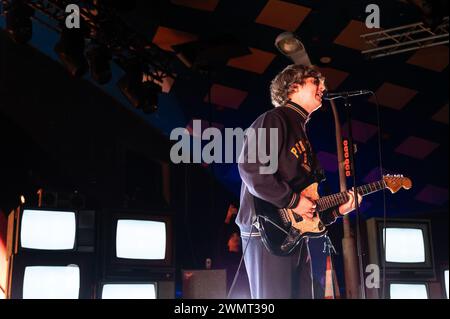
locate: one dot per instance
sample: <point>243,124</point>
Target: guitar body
<point>281,229</point>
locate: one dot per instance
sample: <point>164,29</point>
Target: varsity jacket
<point>297,166</point>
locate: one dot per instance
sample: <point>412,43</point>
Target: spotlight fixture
<point>70,50</point>
<point>18,21</point>
<point>141,94</point>
<point>99,63</point>
<point>288,44</point>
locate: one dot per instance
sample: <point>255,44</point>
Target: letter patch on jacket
<point>302,152</point>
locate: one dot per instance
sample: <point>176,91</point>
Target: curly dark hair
<point>281,86</point>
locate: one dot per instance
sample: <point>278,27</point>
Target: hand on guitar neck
<point>306,206</point>
<point>350,205</point>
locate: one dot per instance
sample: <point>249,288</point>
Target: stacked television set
<point>445,281</point>
<point>138,261</point>
<point>403,251</point>
<point>51,253</point>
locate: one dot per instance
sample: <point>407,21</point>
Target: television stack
<point>403,251</point>
<point>51,252</point>
<point>137,255</point>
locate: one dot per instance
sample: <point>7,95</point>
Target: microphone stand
<point>348,242</point>
<point>352,168</point>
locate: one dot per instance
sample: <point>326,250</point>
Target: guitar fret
<point>330,202</point>
<point>337,199</point>
<point>345,197</point>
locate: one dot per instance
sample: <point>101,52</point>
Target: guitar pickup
<point>297,217</point>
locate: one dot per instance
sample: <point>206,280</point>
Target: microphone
<point>335,95</point>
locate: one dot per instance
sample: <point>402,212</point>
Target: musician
<point>296,92</point>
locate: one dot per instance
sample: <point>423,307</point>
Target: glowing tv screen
<point>141,239</point>
<point>446,282</point>
<point>51,282</point>
<point>404,245</point>
<point>129,291</point>
<point>47,229</point>
<point>408,291</point>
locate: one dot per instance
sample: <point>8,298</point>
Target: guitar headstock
<point>395,182</point>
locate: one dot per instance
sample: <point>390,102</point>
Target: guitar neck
<point>338,199</point>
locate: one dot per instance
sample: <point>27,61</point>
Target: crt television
<point>36,229</point>
<point>137,243</point>
<point>401,247</point>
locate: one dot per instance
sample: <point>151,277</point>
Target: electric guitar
<point>282,229</point>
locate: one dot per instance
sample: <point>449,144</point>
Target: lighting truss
<point>104,26</point>
<point>405,38</point>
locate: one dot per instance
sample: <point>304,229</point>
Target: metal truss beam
<point>405,38</point>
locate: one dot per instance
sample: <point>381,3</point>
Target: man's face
<point>309,95</point>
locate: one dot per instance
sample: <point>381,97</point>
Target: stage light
<point>18,21</point>
<point>288,44</point>
<point>70,50</point>
<point>99,63</point>
<point>142,95</point>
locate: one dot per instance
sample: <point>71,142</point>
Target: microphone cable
<point>380,159</point>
